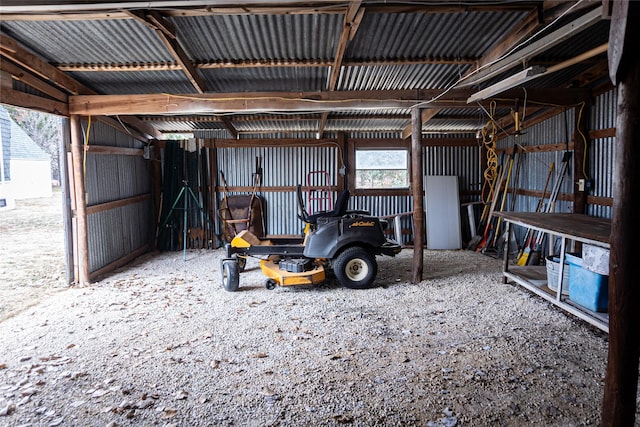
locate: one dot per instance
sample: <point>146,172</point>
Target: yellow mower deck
<point>286,278</point>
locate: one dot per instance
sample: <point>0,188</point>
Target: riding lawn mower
<point>338,241</point>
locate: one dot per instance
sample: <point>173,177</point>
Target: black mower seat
<point>339,209</point>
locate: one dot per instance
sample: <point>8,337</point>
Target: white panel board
<point>442,205</point>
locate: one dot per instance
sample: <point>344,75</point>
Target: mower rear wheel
<point>355,268</point>
<point>230,275</point>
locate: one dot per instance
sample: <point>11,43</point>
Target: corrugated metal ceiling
<point>292,47</point>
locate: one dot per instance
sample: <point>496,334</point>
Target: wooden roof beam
<point>11,49</point>
<point>303,102</point>
<point>426,115</point>
<point>230,127</point>
<point>352,18</point>
<point>167,34</point>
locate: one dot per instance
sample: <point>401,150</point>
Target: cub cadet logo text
<point>363,224</point>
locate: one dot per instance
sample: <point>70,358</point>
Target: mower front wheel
<point>242,262</point>
<point>230,275</point>
<point>270,284</point>
<point>355,268</point>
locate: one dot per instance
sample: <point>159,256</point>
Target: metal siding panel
<point>282,166</point>
<point>117,232</point>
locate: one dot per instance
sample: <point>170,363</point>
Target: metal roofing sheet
<point>96,41</point>
<point>259,37</point>
<point>421,35</point>
<point>399,77</point>
<point>265,79</point>
<point>140,82</point>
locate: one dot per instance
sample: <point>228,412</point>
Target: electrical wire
<point>86,146</point>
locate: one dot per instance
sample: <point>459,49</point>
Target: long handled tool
<point>496,231</point>
<point>496,195</point>
<point>523,256</point>
<point>534,257</point>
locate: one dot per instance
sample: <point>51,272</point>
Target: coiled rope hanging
<point>489,139</point>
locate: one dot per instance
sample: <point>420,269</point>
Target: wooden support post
<point>418,195</point>
<point>621,380</point>
<point>66,188</point>
<point>80,199</point>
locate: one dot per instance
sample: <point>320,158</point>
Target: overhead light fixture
<point>508,83</point>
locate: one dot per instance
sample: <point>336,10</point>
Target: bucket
<point>553,270</point>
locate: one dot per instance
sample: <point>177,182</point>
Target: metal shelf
<point>574,227</point>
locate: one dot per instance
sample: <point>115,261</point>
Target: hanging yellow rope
<point>489,139</point>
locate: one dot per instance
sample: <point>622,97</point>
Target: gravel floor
<point>161,343</point>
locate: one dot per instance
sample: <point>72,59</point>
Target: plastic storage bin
<point>553,271</point>
<point>587,288</point>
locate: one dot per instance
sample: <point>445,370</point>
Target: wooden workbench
<point>569,227</point>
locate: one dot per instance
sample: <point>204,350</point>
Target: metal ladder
<point>319,192</point>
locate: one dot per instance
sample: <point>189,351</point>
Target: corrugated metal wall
<point>602,151</point>
<point>558,130</point>
<point>281,167</point>
<point>117,232</point>
<point>534,167</point>
<point>289,166</point>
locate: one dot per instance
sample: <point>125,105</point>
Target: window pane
<point>381,159</point>
<point>382,169</point>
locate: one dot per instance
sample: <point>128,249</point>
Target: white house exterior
<point>25,169</point>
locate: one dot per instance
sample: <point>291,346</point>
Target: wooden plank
<point>233,143</point>
<point>579,225</point>
<point>120,262</point>
<point>215,103</point>
<point>29,79</point>
<point>104,149</point>
<point>602,133</point>
<point>117,204</point>
<point>33,102</point>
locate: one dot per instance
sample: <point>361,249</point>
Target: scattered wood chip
<point>343,418</point>
<point>169,413</point>
<point>260,355</point>
<point>181,395</point>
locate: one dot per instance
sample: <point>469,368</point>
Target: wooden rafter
<point>426,115</point>
<point>352,18</point>
<point>33,81</point>
<point>167,34</point>
<point>267,63</point>
<point>13,51</point>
